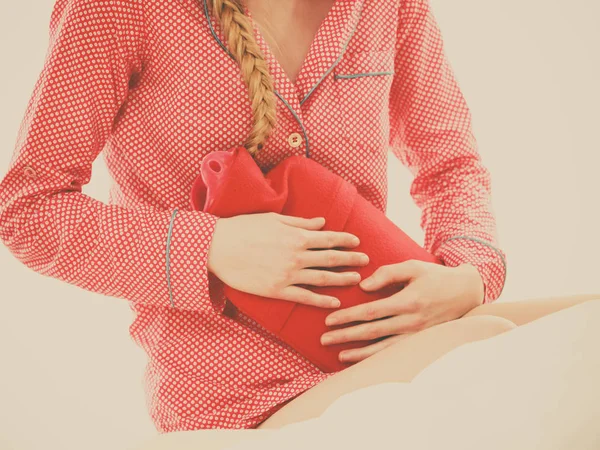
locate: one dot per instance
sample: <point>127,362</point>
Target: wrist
<point>488,259</point>
<point>214,245</point>
<point>475,283</point>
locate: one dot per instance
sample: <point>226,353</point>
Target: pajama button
<point>295,140</point>
<point>29,172</point>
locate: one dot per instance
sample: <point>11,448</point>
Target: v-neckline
<point>328,46</point>
<point>268,51</point>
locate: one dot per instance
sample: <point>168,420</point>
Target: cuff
<point>489,261</point>
<point>190,285</point>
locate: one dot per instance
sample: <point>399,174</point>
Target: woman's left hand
<point>433,294</point>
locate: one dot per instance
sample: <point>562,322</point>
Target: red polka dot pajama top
<point>148,84</point>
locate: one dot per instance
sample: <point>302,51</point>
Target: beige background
<point>529,70</point>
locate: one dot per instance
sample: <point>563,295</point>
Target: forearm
<point>431,133</point>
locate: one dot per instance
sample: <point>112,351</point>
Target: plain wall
<point>71,377</point>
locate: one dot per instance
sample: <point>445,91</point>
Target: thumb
<point>316,223</point>
<point>403,272</point>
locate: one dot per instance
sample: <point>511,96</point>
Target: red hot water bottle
<point>231,183</point>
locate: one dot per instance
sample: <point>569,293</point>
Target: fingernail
<point>355,241</point>
<point>355,276</point>
<point>326,340</point>
<point>329,321</point>
<point>335,303</point>
<point>342,357</point>
<point>367,282</point>
<point>364,259</point>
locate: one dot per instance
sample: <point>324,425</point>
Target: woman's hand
<point>433,294</point>
<point>268,254</point>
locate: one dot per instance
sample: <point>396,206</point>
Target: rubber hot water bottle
<point>231,183</point>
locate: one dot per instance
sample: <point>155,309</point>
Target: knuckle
<point>308,298</point>
<point>370,312</point>
<point>343,337</point>
<point>419,323</point>
<point>300,296</point>
<point>349,258</point>
<point>372,333</point>
<point>413,303</point>
<point>301,240</point>
<point>423,303</point>
<point>295,239</point>
<point>330,241</point>
<point>331,259</point>
<point>293,262</point>
<point>321,277</point>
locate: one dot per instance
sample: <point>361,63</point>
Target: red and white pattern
<point>148,84</point>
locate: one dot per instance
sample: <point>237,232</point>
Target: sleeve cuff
<point>489,261</point>
<point>190,285</point>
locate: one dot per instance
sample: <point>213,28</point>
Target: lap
<point>481,402</point>
<point>399,362</point>
<point>525,311</point>
<point>403,360</point>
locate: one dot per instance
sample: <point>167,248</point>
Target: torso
<point>289,27</point>
<point>206,370</point>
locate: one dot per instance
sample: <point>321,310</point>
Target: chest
<point>289,28</point>
<point>192,98</point>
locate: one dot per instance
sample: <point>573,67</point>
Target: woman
<point>156,85</point>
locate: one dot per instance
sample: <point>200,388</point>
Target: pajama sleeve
<point>430,132</point>
<point>151,256</point>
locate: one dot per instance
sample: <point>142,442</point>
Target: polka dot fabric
<point>149,85</point>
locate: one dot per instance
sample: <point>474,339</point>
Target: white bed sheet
<point>536,387</point>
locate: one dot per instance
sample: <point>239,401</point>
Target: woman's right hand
<point>268,254</point>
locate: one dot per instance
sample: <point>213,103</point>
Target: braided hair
<point>238,31</point>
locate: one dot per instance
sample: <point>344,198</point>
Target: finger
<point>315,223</point>
<point>402,302</point>
<point>359,354</point>
<point>393,273</point>
<point>332,258</point>
<point>363,332</point>
<point>330,239</point>
<point>304,296</point>
<point>325,278</point>
<point>365,312</point>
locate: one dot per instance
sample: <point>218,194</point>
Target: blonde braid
<point>238,31</point>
